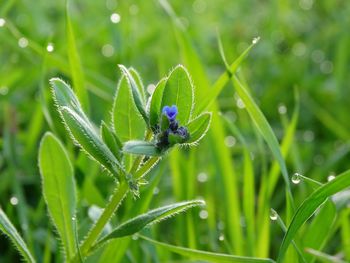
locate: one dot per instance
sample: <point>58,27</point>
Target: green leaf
<point>64,96</point>
<point>318,232</point>
<point>89,141</point>
<point>323,257</point>
<point>80,127</point>
<point>58,189</point>
<point>309,206</point>
<point>179,91</point>
<point>221,82</point>
<point>111,140</point>
<point>141,148</point>
<point>205,255</point>
<point>135,92</point>
<point>198,127</point>
<point>156,103</point>
<point>9,230</point>
<point>136,224</point>
<point>139,83</point>
<point>127,121</point>
<point>75,64</point>
<point>264,128</point>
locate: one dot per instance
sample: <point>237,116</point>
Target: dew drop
<point>273,215</point>
<point>202,177</point>
<point>2,22</point>
<point>296,178</point>
<point>107,50</point>
<point>255,40</point>
<point>306,4</point>
<point>133,9</point>
<point>135,237</point>
<point>203,214</point>
<point>156,191</point>
<point>150,88</point>
<point>199,6</point>
<point>4,90</point>
<point>22,42</point>
<point>50,48</point>
<point>74,218</point>
<point>230,141</point>
<point>221,237</point>
<point>115,18</point>
<point>282,109</point>
<point>14,200</point>
<point>240,103</point>
<point>331,177</point>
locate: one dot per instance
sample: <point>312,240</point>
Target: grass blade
<point>323,257</point>
<point>223,80</point>
<point>136,224</point>
<point>205,255</point>
<point>59,189</point>
<point>9,230</point>
<point>264,128</point>
<point>309,206</point>
<point>135,91</point>
<point>76,69</point>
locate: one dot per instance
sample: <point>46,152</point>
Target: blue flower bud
<point>170,112</point>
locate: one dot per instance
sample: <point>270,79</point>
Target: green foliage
<point>198,127</point>
<point>136,224</point>
<point>309,206</point>
<point>207,256</point>
<point>287,114</point>
<point>81,130</point>
<point>59,190</point>
<point>9,230</point>
<point>178,91</point>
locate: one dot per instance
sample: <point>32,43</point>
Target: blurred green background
<point>304,45</point>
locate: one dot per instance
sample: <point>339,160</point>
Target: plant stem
<point>111,207</point>
<point>138,160</point>
<point>146,167</point>
<point>115,202</point>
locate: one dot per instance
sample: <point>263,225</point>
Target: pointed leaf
<point>111,140</point>
<point>89,141</point>
<point>9,230</point>
<point>81,129</point>
<point>127,121</point>
<point>64,96</point>
<point>156,103</point>
<point>265,130</point>
<point>58,189</point>
<point>198,127</point>
<point>207,256</point>
<point>76,69</point>
<point>319,230</point>
<point>310,205</point>
<point>179,91</point>
<point>141,148</point>
<point>221,82</point>
<point>135,92</point>
<point>139,83</point>
<point>136,224</point>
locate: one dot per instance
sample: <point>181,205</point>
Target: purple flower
<point>170,112</point>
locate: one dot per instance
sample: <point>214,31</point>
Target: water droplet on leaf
<point>296,178</point>
<point>255,40</point>
<point>273,215</point>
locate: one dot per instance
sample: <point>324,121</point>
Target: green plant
<point>114,150</point>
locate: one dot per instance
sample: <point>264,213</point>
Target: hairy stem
<point>115,201</point>
<point>109,210</point>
